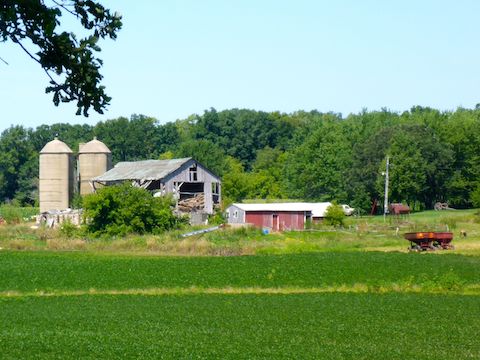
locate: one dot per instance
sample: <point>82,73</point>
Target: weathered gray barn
<point>184,178</point>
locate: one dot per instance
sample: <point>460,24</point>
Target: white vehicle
<point>347,209</point>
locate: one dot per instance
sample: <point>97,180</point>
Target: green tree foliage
<point>241,133</point>
<point>27,182</point>
<point>317,169</point>
<point>265,181</point>
<point>18,171</point>
<point>123,209</point>
<point>235,182</point>
<point>266,177</point>
<point>368,153</point>
<point>70,134</point>
<point>408,169</point>
<point>138,138</point>
<point>303,155</point>
<point>207,153</point>
<point>69,63</point>
<point>462,131</point>
<point>475,197</point>
<point>420,166</point>
<point>334,215</point>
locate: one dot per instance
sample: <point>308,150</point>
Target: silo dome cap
<point>94,146</point>
<point>56,147</point>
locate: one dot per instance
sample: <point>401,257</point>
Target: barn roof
<point>145,170</point>
<point>317,209</point>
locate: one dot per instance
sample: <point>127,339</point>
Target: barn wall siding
<point>182,175</point>
<point>240,219</point>
<point>294,220</point>
<point>260,219</point>
<point>207,189</point>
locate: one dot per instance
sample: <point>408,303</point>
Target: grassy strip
<point>471,290</point>
<point>360,234</point>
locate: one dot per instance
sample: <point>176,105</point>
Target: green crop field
<point>354,293</point>
<point>337,305</point>
<point>217,326</point>
<point>50,271</point>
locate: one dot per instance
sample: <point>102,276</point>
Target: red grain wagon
<point>423,241</point>
<point>443,240</point>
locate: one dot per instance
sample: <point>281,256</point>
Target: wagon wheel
<point>416,248</point>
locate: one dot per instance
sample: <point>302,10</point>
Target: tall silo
<point>94,159</point>
<point>56,176</point>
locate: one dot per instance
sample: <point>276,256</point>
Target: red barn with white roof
<point>276,216</point>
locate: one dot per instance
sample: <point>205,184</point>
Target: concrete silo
<point>56,176</point>
<point>94,159</point>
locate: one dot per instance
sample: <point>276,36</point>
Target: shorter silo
<point>56,176</point>
<point>94,159</point>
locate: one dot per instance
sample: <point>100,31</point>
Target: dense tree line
<point>435,156</point>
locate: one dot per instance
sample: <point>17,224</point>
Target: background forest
<point>435,156</point>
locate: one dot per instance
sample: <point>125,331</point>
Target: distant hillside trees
<point>18,165</point>
<point>318,168</point>
<point>303,155</point>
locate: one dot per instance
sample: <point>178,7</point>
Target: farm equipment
<point>442,206</point>
<point>427,241</point>
<point>399,209</point>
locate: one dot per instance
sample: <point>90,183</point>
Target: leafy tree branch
<point>70,64</point>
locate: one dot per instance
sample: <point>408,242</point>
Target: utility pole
<point>385,203</point>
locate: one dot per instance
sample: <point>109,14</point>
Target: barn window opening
<point>193,173</point>
<point>235,214</point>
<point>191,189</point>
<point>216,192</point>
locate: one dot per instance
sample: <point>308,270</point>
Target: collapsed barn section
<point>193,186</point>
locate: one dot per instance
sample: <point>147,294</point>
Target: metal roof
<point>142,170</point>
<point>56,147</point>
<point>317,209</point>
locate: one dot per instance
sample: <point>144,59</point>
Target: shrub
<point>334,215</point>
<point>475,197</point>
<point>68,229</point>
<point>217,218</point>
<point>14,214</point>
<point>77,201</point>
<point>123,209</point>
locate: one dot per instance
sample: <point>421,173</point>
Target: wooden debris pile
<point>193,204</point>
<point>55,218</point>
<point>442,206</point>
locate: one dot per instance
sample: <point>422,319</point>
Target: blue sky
<point>174,58</point>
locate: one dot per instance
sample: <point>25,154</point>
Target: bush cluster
<point>13,214</point>
<point>123,209</point>
<point>335,215</point>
